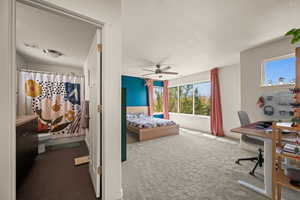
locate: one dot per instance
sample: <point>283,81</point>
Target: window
<point>158,99</point>
<point>173,99</point>
<point>191,99</point>
<point>186,99</point>
<point>202,98</point>
<point>279,71</point>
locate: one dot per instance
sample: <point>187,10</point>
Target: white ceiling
<point>47,30</point>
<point>197,35</point>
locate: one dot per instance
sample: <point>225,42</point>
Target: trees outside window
<point>173,99</point>
<point>186,99</point>
<point>202,98</point>
<point>158,99</point>
<point>191,99</point>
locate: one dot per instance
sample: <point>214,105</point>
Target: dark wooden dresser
<point>26,145</point>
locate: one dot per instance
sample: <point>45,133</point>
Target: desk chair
<point>244,119</point>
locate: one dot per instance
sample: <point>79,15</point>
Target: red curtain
<point>216,122</point>
<point>149,84</point>
<point>166,99</point>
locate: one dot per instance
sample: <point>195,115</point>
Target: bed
<point>145,127</point>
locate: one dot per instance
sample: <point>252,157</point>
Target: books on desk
<point>288,151</point>
<point>284,124</point>
<point>270,130</point>
<point>291,148</point>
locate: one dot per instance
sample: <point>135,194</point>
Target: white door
<point>95,114</point>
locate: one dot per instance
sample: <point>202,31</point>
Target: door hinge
<point>99,48</point>
<point>100,108</point>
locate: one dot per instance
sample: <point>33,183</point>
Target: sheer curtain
<point>56,99</point>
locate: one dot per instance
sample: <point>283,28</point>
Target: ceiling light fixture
<point>31,45</point>
<point>52,53</point>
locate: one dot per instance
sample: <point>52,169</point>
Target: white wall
<point>108,11</point>
<point>20,60</point>
<point>229,78</point>
<point>55,69</point>
<point>7,88</point>
<point>230,89</point>
<point>251,61</point>
<point>194,122</point>
<point>90,62</point>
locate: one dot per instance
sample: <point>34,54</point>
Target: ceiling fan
<point>159,70</point>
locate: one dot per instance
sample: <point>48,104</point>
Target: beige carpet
<point>188,167</point>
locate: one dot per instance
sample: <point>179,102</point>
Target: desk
<point>260,134</point>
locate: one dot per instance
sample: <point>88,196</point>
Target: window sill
<point>278,86</point>
<point>191,115</point>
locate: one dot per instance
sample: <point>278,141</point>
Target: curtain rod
<point>44,72</point>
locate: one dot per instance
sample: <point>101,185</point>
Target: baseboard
<point>195,130</point>
<point>209,135</point>
<point>58,141</point>
<point>120,196</point>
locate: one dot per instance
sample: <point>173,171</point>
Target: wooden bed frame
<point>150,133</point>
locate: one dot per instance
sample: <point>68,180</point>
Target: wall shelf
<point>279,179</point>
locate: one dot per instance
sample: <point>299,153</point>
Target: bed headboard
<point>137,109</point>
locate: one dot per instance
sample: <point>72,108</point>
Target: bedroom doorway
<point>59,69</point>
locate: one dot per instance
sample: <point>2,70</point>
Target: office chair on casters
<point>244,119</point>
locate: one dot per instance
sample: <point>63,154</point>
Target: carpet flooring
<point>54,177</point>
<point>189,167</point>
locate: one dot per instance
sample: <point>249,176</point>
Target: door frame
<point>106,56</point>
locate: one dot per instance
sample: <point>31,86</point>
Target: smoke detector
<point>52,53</point>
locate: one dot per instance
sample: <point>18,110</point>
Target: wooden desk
<point>251,131</point>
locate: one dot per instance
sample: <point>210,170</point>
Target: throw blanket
<point>140,120</point>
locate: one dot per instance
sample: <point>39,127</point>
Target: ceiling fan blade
<point>162,60</point>
<point>149,62</point>
<point>148,74</point>
<point>165,68</point>
<point>148,70</point>
<point>148,66</point>
<point>172,73</point>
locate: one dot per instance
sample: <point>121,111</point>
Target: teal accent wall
<point>136,91</point>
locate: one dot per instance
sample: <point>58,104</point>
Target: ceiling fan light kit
<point>52,53</point>
<point>159,71</point>
<point>31,45</point>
